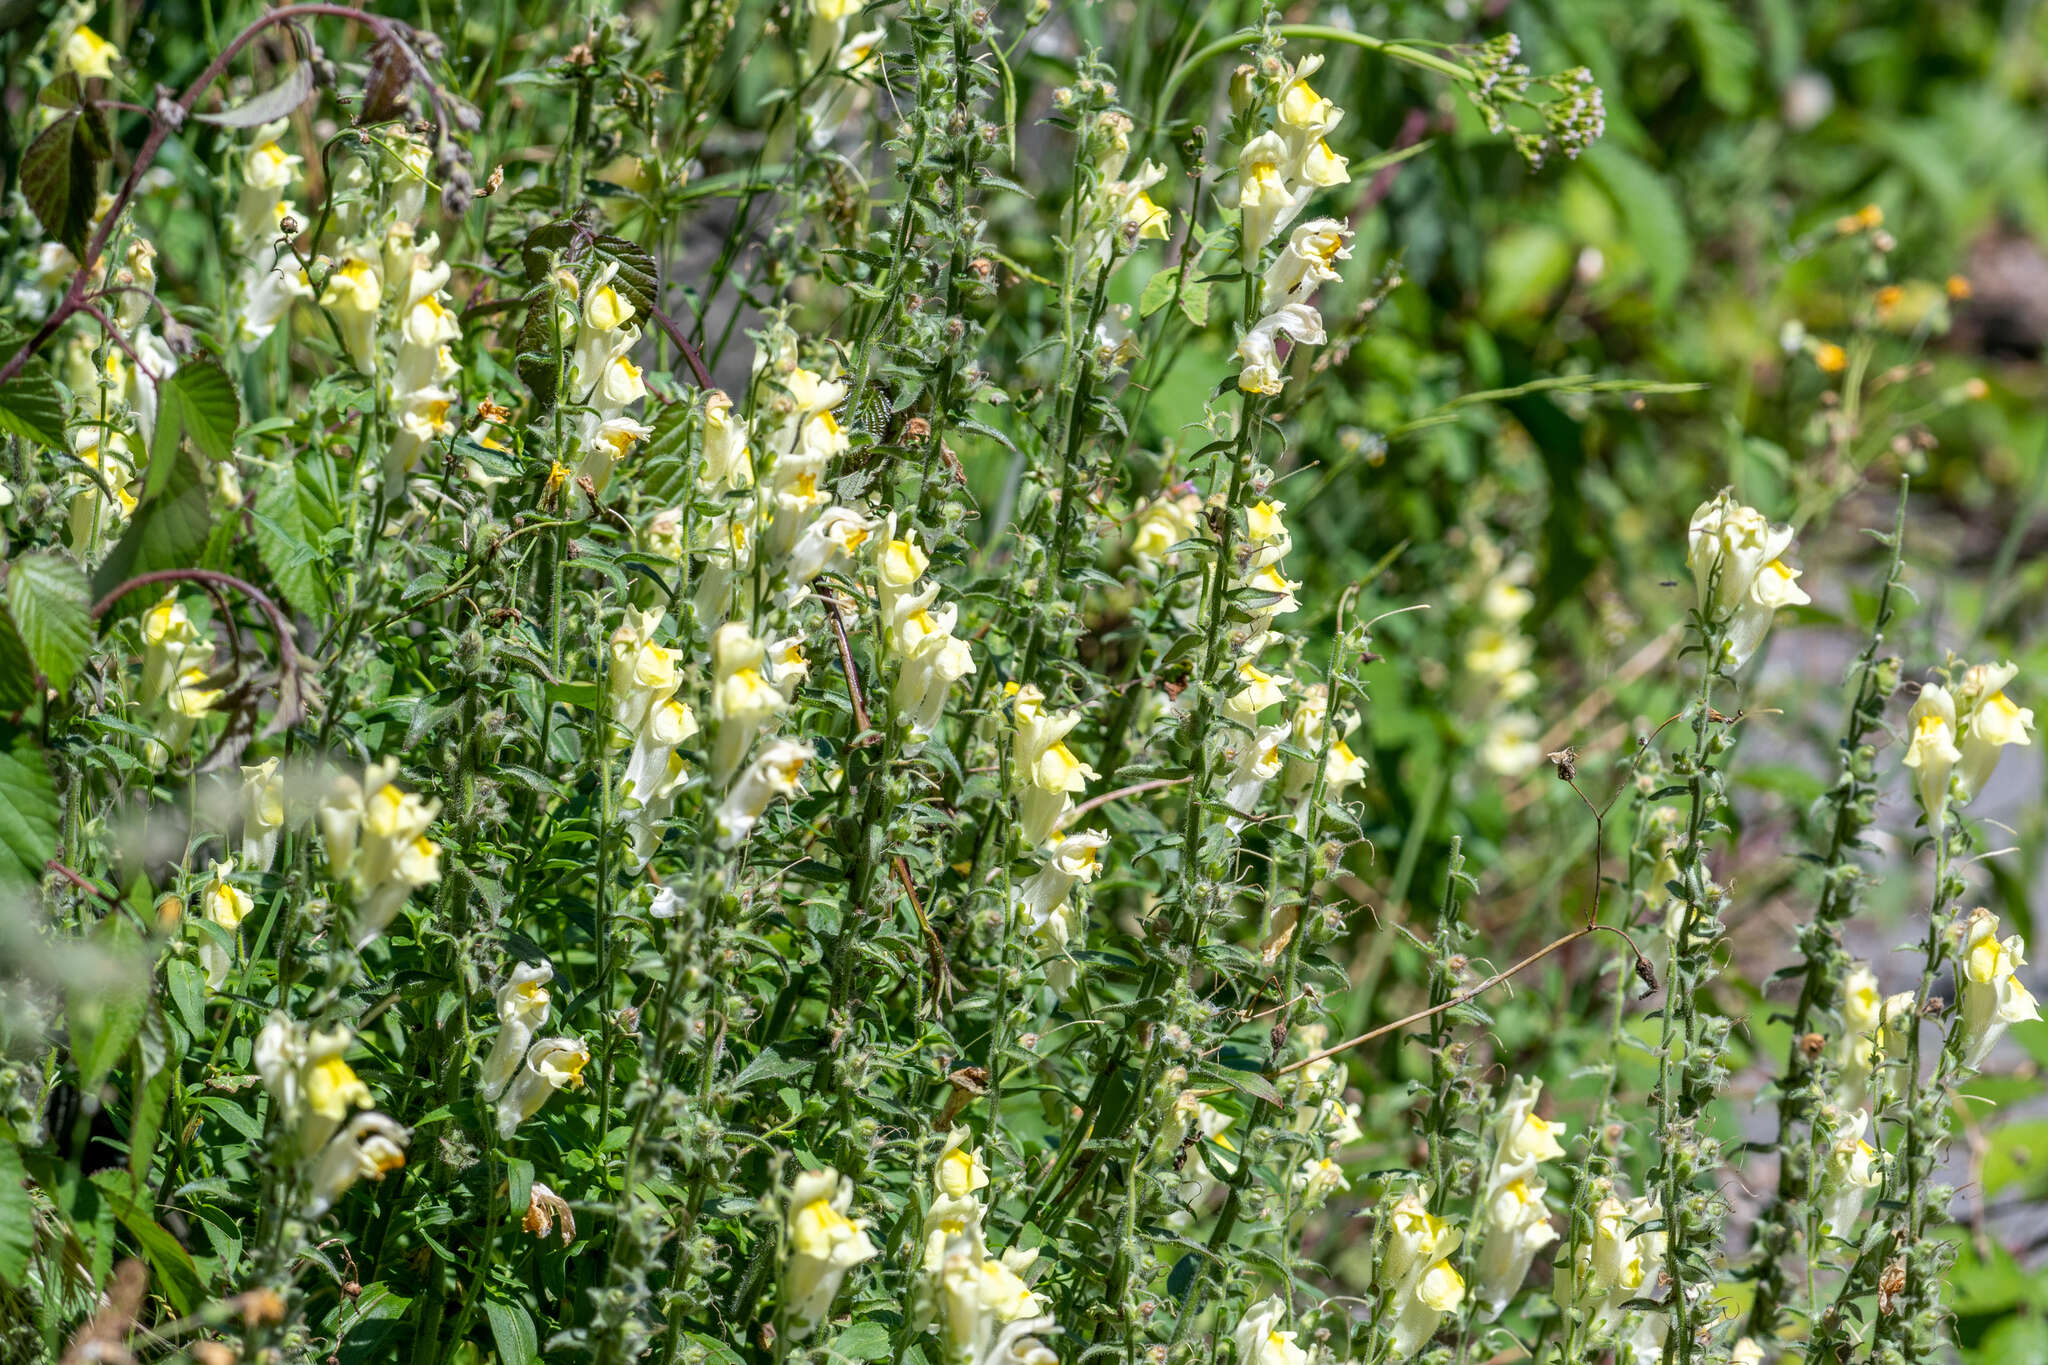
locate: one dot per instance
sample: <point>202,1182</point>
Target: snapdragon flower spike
<point>1616,1266</point>
<point>262,801</point>
<point>1994,998</point>
<point>1258,351</point>
<point>1990,722</point>
<point>1517,1223</point>
<point>314,1088</point>
<point>1735,554</point>
<point>820,1244</point>
<point>776,771</point>
<point>424,365</point>
<point>522,1005</point>
<point>1342,768</point>
<point>271,278</point>
<point>844,90</point>
<point>369,1148</point>
<point>1307,262</point>
<point>1853,1169</point>
<point>1418,1283</point>
<point>1260,1340</point>
<point>1164,521</point>
<point>1044,905</point>
<point>979,1295</point>
<point>742,698</point>
<point>1315,1181</point>
<point>728,459</point>
<point>1931,750</point>
<point>375,836</point>
<point>226,905</point>
<point>96,518</point>
<point>1044,772</point>
<point>1258,762</point>
<point>170,643</point>
<point>551,1064</point>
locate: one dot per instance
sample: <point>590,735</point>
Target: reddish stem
<point>164,120</point>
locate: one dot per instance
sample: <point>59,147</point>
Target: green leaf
<point>1194,303</point>
<point>156,1069</point>
<point>861,1341</point>
<point>17,670</point>
<point>1655,222</point>
<point>1727,53</point>
<point>175,1274</point>
<point>537,359</point>
<point>512,1328</point>
<point>166,532</point>
<point>57,180</point>
<point>30,406</point>
<point>105,1009</point>
<point>46,596</point>
<point>28,817</point>
<point>282,540</point>
<point>17,1218</point>
<point>639,278</point>
<point>197,401</point>
<point>1157,291</point>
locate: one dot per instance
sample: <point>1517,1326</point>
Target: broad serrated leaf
<point>198,402</point>
<point>281,538</point>
<point>639,278</point>
<point>57,180</point>
<point>1194,303</point>
<point>28,816</point>
<point>861,1341</point>
<point>538,362</point>
<point>46,597</point>
<point>1157,291</point>
<point>17,1218</point>
<point>273,104</point>
<point>30,405</point>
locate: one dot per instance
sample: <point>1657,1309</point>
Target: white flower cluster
<point>1736,557</point>
<point>1265,595</point>
<point>272,279</point>
<point>983,1301</point>
<point>930,658</point>
<point>820,1244</point>
<point>1960,735</point>
<point>1514,1220</point>
<point>641,687</point>
<point>375,836</point>
<point>386,272</point>
<point>114,388</point>
<point>318,1098</point>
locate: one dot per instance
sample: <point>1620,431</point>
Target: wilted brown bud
<point>1811,1044</point>
<point>1567,761</point>
<point>492,182</point>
